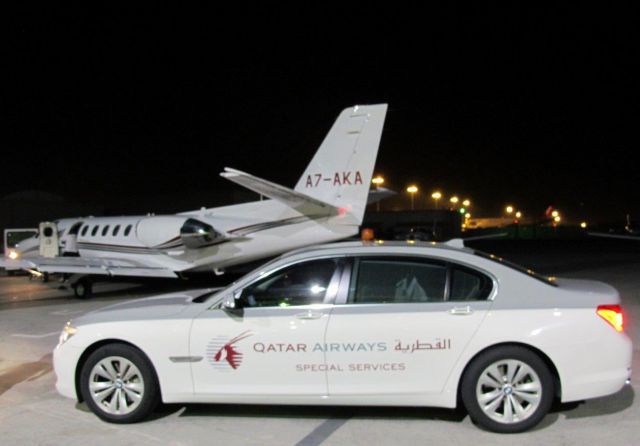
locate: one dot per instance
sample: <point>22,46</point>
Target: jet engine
<point>196,234</point>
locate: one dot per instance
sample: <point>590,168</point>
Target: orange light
<point>367,235</point>
<point>613,315</point>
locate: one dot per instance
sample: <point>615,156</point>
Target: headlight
<point>13,254</point>
<point>68,331</point>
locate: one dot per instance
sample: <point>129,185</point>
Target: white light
<point>13,254</point>
<point>67,332</point>
<point>315,289</point>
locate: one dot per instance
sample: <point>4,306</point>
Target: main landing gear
<point>82,288</point>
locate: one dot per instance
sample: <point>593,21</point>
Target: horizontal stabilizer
<point>296,200</point>
<point>378,194</point>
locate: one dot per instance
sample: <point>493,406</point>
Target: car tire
<point>119,384</point>
<point>507,389</point>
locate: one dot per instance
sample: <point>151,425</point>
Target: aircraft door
<point>69,241</point>
<point>49,239</point>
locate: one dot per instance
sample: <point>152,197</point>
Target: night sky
<point>502,104</point>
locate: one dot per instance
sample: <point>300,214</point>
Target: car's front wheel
<point>508,389</point>
<point>119,384</point>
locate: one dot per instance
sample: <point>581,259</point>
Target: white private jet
<point>327,204</point>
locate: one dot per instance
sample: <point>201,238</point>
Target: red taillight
<point>613,315</point>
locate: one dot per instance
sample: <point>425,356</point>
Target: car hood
<point>158,307</point>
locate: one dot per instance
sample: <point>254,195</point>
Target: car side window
<point>467,284</point>
<point>300,284</point>
<point>398,281</point>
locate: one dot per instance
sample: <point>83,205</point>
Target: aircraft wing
<point>296,200</point>
<point>80,265</point>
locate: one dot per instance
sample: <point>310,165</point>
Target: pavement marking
<point>322,432</point>
<point>44,335</point>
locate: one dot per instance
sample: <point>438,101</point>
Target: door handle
<point>461,311</point>
<point>307,315</point>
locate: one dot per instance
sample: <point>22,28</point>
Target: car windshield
<point>546,279</point>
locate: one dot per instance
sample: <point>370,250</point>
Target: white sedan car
<point>357,324</point>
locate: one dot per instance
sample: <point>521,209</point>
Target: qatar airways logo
<point>224,353</point>
<point>343,347</point>
<point>227,354</point>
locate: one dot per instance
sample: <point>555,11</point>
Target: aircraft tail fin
<point>340,172</point>
<point>337,180</point>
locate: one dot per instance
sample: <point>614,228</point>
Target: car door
<point>259,349</point>
<point>403,324</point>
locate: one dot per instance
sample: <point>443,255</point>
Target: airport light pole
<point>412,191</point>
<point>378,181</point>
<point>454,201</point>
<point>436,196</point>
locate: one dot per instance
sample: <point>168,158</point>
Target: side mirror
<point>234,304</point>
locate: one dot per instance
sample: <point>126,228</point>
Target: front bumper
<point>65,360</point>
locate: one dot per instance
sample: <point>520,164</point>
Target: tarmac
<point>31,411</point>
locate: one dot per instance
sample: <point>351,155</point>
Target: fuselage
<point>229,236</point>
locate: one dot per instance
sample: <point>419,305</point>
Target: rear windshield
<point>546,279</point>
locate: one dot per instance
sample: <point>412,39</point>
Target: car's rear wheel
<point>508,389</point>
<point>119,384</point>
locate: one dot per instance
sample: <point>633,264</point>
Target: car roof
<point>355,247</point>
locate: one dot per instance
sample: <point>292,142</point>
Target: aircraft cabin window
<point>105,230</point>
<point>115,230</point>
<point>127,230</point>
<point>84,230</point>
<point>94,231</point>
